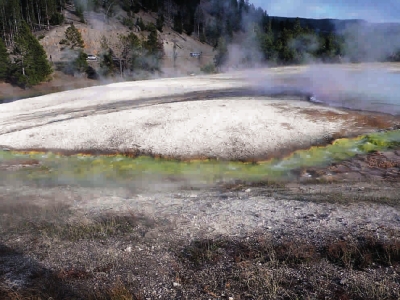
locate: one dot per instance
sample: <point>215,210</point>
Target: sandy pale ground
<point>238,120</point>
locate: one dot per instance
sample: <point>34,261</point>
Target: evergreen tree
<point>80,62</point>
<point>178,22</point>
<point>32,66</point>
<point>57,19</point>
<point>4,61</point>
<point>297,29</point>
<point>107,65</point>
<point>130,52</point>
<point>222,52</point>
<point>74,37</point>
<point>140,23</point>
<point>160,22</point>
<point>74,40</point>
<point>155,50</point>
<point>266,44</point>
<point>152,44</point>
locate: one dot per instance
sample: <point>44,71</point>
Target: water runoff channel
<point>97,170</point>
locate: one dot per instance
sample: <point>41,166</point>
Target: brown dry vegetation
<point>49,251</point>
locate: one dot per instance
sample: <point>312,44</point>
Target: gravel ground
<point>201,243</point>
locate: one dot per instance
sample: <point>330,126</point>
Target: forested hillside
<point>219,23</point>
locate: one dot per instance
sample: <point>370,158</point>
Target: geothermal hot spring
<point>374,90</point>
<point>370,89</point>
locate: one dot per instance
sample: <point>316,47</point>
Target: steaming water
<point>372,90</point>
<point>102,170</point>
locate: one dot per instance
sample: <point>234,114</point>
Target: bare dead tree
<point>38,14</point>
<point>169,7</point>
<point>174,52</point>
<point>47,16</point>
<point>199,18</point>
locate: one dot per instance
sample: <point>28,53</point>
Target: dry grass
<point>98,228</point>
<point>53,288</point>
<point>71,256</point>
<point>264,268</point>
<point>52,221</point>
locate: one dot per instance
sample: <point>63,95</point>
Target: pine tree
<point>140,23</point>
<point>155,50</point>
<point>222,52</point>
<point>4,61</point>
<point>178,23</point>
<point>106,58</point>
<point>160,22</point>
<point>80,62</point>
<point>74,37</point>
<point>32,66</point>
<point>153,46</point>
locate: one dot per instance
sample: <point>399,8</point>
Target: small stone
<point>230,298</point>
<point>248,190</point>
<point>128,249</point>
<point>176,284</point>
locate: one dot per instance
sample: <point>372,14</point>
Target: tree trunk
<point>38,13</point>
<point>47,17</point>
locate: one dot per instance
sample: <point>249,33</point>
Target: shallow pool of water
<point>375,90</point>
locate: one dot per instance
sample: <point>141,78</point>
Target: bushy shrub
<point>57,19</point>
<point>209,69</point>
<point>128,22</point>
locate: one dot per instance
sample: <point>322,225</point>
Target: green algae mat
<point>81,169</point>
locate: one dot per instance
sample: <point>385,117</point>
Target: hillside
<point>137,39</point>
<point>97,26</point>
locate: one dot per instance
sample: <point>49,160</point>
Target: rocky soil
<point>376,166</point>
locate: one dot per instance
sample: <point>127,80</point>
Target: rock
<point>176,284</point>
<point>248,190</point>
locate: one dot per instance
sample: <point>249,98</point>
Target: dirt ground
<point>59,82</point>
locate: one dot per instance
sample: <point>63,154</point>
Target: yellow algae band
<point>120,167</point>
